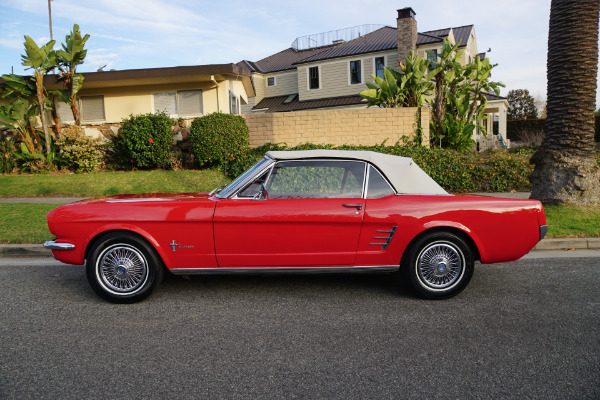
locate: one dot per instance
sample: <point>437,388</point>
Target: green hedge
<point>220,140</point>
<point>514,128</point>
<point>457,172</point>
<point>144,141</point>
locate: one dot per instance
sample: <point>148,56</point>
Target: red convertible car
<point>309,211</point>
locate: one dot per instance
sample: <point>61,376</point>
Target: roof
<point>382,39</point>
<point>285,59</point>
<point>150,76</point>
<point>276,104</point>
<point>492,97</point>
<point>403,173</point>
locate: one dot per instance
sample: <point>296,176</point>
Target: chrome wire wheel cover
<point>122,269</point>
<point>440,265</point>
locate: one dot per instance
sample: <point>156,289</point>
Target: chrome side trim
<point>282,270</point>
<point>52,245</point>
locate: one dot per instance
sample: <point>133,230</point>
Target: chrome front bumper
<point>52,245</point>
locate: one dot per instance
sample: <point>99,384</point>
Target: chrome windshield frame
<point>231,190</point>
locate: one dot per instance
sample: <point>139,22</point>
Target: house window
<point>313,78</point>
<point>166,102</point>
<point>271,81</point>
<point>432,56</point>
<point>92,108</point>
<point>355,72</point>
<point>379,64</point>
<point>234,103</point>
<point>181,103</point>
<point>65,113</point>
<point>190,102</point>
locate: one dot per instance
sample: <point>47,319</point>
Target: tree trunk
<point>565,167</point>
<point>56,118</point>
<point>40,97</point>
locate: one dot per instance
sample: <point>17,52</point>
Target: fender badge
<point>174,245</point>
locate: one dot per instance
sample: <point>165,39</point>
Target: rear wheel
<point>438,265</point>
<point>123,268</point>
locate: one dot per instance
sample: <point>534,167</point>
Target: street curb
<point>24,250</point>
<point>568,243</point>
<point>37,250</point>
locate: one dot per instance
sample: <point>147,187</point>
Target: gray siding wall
<point>285,83</point>
<point>335,76</point>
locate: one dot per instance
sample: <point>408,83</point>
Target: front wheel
<point>438,265</point>
<point>123,268</point>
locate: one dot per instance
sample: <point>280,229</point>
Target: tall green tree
<point>565,167</point>
<point>67,60</point>
<point>521,105</point>
<point>407,88</point>
<point>459,101</point>
<point>41,60</point>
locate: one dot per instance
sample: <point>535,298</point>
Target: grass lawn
<point>568,221</point>
<point>105,183</point>
<point>26,223</point>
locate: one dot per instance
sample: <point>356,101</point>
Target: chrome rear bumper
<point>52,245</point>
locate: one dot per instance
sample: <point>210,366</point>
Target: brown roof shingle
<point>276,104</point>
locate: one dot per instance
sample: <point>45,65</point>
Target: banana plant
<point>386,92</point>
<point>72,54</point>
<point>41,60</point>
<point>67,60</point>
<point>20,108</point>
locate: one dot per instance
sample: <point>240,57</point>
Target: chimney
<point>407,32</point>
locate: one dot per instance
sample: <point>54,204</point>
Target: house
<point>183,92</point>
<point>328,70</point>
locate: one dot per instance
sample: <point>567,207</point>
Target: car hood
<point>147,197</point>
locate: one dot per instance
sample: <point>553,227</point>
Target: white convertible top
<point>402,172</point>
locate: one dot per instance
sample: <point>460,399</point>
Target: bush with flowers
<point>220,140</point>
<point>7,155</point>
<point>78,152</point>
<point>144,141</point>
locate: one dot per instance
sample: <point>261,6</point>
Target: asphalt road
<point>528,329</point>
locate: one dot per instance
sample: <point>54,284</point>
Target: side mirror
<point>263,194</point>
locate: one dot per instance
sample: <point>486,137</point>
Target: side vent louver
<point>387,238</point>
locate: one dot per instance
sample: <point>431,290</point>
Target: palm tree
<point>565,167</point>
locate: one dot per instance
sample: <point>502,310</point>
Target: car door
<point>296,214</point>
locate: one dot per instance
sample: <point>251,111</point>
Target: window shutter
<point>64,111</point>
<point>165,101</point>
<point>190,102</point>
<point>92,108</point>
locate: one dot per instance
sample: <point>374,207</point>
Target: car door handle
<point>358,206</point>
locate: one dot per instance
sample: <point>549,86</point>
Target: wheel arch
<point>445,229</point>
<point>101,235</point>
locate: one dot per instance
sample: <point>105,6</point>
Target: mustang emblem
<point>174,245</point>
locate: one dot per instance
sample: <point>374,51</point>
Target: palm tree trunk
<point>565,167</point>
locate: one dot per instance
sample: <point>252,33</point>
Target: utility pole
<point>50,17</point>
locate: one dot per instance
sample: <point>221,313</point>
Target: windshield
<point>235,184</point>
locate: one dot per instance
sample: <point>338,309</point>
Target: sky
<point>129,34</point>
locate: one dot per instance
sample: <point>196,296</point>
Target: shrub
<point>221,140</point>
<point>144,141</point>
<point>7,155</point>
<point>80,153</point>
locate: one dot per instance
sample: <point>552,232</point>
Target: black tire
<point>438,265</point>
<point>123,268</point>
